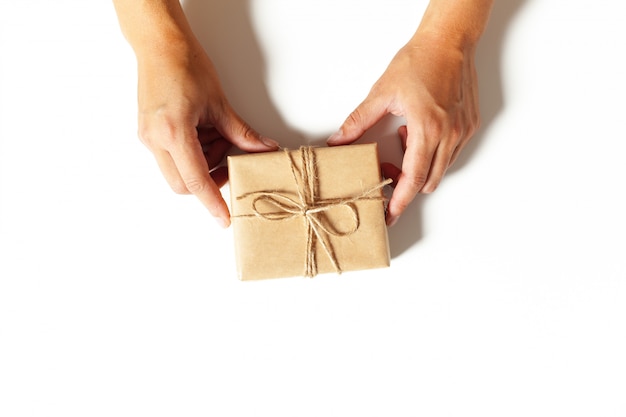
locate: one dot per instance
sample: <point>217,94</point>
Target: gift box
<point>308,211</point>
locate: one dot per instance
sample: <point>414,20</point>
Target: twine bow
<point>311,209</point>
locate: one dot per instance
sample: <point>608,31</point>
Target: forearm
<point>461,22</point>
<point>150,26</point>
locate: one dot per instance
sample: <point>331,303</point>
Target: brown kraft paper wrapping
<point>308,211</point>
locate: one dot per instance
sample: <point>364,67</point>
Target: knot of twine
<point>311,208</point>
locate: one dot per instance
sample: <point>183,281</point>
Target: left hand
<point>432,83</point>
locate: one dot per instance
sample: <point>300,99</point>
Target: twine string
<point>311,209</point>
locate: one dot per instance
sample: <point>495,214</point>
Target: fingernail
<point>222,222</point>
<point>334,138</point>
<point>392,220</point>
<point>270,143</point>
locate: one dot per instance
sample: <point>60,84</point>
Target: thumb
<point>366,115</point>
<point>240,134</point>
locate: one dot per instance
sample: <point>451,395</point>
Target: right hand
<point>187,123</point>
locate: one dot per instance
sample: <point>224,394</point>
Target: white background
<point>506,295</point>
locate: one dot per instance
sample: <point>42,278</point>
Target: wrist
<point>154,28</point>
<point>162,48</point>
<point>455,24</point>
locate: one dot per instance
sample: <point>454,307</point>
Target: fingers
<point>215,151</point>
<point>186,169</point>
<point>457,151</point>
<point>471,128</point>
<point>427,154</point>
<point>194,173</point>
<point>187,155</point>
<point>410,180</point>
<point>208,134</point>
<point>239,133</point>
<point>366,115</point>
<point>402,134</point>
